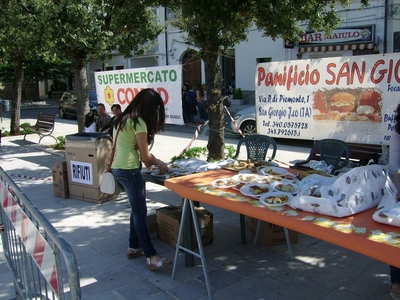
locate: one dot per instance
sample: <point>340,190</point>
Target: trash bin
<point>5,105</point>
<point>87,155</point>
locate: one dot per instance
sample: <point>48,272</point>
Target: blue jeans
<point>202,112</point>
<point>139,236</point>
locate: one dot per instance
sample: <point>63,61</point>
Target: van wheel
<point>248,127</point>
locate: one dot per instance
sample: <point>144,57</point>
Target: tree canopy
<point>75,29</point>
<point>213,27</point>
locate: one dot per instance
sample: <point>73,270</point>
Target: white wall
<point>247,53</point>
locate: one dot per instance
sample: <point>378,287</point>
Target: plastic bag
<point>109,185</point>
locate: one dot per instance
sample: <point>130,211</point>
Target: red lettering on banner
<point>289,77</point>
<point>126,96</point>
<point>390,72</point>
<point>347,72</point>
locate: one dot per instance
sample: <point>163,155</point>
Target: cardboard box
<point>270,234</point>
<point>168,221</point>
<point>87,155</point>
<point>60,179</point>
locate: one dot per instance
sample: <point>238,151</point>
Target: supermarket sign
<point>348,98</point>
<point>121,87</point>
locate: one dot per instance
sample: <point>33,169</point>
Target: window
<point>169,14</point>
<point>263,59</point>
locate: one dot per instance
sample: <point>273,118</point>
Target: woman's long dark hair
<point>149,106</point>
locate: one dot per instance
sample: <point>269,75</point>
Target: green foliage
<point>194,152</point>
<point>60,85</point>
<point>67,32</point>
<point>231,151</point>
<point>60,145</point>
<point>4,132</point>
<point>237,93</point>
<point>27,130</point>
<point>198,152</point>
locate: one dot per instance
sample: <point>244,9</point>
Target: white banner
<point>348,98</point>
<point>120,87</point>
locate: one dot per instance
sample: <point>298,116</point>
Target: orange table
<point>186,187</point>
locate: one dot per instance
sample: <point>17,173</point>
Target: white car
<point>245,120</point>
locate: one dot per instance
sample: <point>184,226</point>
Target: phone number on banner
<point>285,128</point>
<point>289,125</point>
<point>285,132</point>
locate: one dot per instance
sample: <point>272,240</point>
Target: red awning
<point>339,47</point>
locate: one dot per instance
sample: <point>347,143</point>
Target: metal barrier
<point>42,262</point>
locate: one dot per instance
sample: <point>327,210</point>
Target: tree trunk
<point>16,100</point>
<point>215,110</point>
<point>81,86</point>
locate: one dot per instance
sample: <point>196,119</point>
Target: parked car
<point>245,120</point>
<point>67,104</point>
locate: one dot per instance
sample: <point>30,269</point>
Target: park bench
<point>44,126</point>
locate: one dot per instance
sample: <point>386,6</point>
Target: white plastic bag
<point>353,192</point>
<point>108,183</point>
<point>388,210</point>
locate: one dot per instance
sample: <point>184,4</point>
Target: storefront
<point>344,41</point>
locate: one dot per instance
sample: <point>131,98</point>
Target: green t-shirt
<point>126,157</point>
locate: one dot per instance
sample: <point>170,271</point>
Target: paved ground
<point>98,235</point>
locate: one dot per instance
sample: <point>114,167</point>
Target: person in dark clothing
<point>192,104</point>
<point>116,109</point>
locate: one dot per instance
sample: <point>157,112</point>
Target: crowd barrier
<point>41,261</point>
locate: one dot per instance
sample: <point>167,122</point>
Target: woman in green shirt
<point>136,128</point>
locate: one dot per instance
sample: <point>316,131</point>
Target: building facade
<point>375,29</point>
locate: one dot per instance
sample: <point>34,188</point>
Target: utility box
<point>60,179</point>
<point>87,157</point>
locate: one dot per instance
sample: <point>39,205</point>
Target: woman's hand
<point>163,166</point>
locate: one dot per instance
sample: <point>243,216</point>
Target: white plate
<point>263,198</point>
<point>296,187</point>
<point>276,171</point>
<point>245,190</point>
<point>223,183</point>
<point>157,174</point>
<point>271,179</point>
<point>246,178</point>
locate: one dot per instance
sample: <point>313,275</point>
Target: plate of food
<point>276,199</point>
<point>246,178</point>
<point>286,187</point>
<point>274,171</point>
<point>255,189</point>
<point>223,183</point>
<point>239,185</point>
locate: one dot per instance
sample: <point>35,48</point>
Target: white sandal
<point>163,262</point>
